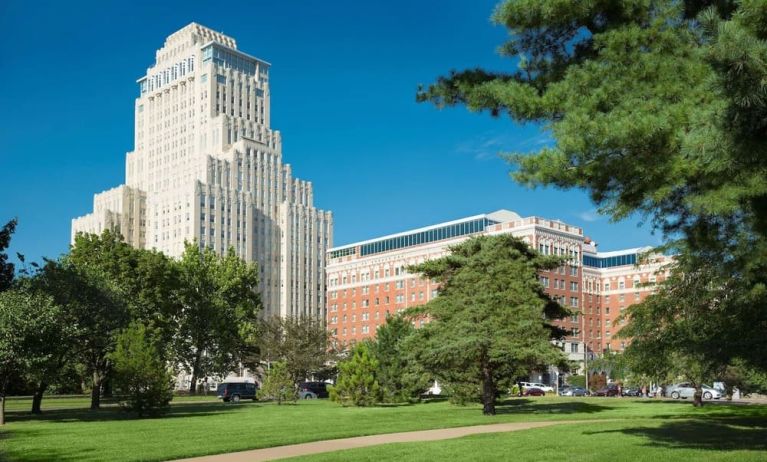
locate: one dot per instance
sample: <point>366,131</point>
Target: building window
<point>573,348</point>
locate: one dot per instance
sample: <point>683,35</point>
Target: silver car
<point>686,390</point>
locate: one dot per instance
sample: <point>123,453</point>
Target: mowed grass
<point>24,403</point>
<point>199,428</point>
<point>645,440</point>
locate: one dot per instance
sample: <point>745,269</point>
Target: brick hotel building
<point>368,280</point>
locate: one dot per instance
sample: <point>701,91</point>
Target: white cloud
<point>491,145</point>
<point>589,216</point>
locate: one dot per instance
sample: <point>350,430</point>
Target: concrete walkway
<point>293,450</point>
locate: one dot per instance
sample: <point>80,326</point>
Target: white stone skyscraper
<point>207,167</point>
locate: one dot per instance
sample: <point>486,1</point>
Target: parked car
<point>609,390</point>
<point>235,391</point>
<point>546,388</point>
<point>312,390</point>
<point>573,391</point>
<point>534,391</point>
<point>631,392</point>
<point>686,390</point>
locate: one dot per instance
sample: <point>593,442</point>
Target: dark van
<point>312,390</point>
<point>235,391</point>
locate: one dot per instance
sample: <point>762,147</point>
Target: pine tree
<point>357,383</point>
<point>141,372</point>
<point>278,384</point>
<point>491,320</point>
<point>654,108</point>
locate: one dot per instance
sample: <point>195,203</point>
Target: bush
<point>278,384</point>
<point>357,383</point>
<point>142,375</point>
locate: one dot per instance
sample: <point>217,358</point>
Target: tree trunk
<point>195,372</point>
<point>37,398</point>
<point>3,391</point>
<point>96,392</point>
<point>488,391</point>
<point>697,399</point>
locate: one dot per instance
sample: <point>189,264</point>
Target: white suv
<point>543,387</point>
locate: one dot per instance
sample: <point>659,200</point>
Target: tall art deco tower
<point>207,167</point>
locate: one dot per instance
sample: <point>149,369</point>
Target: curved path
<point>293,450</point>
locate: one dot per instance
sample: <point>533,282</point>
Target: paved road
<point>293,450</point>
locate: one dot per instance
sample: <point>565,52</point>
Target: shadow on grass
<point>710,434</point>
<point>530,406</point>
<point>115,413</point>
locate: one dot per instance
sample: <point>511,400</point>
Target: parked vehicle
<point>546,388</point>
<point>631,392</point>
<point>312,390</point>
<point>533,391</point>
<point>573,391</point>
<point>234,391</point>
<point>609,390</point>
<point>686,390</point>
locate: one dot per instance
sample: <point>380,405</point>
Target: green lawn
<point>195,428</point>
<point>82,401</point>
<point>712,439</point>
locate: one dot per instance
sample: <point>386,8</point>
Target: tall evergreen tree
<point>656,108</point>
<point>279,384</point>
<point>401,378</point>
<point>357,382</point>
<point>141,371</point>
<point>491,320</point>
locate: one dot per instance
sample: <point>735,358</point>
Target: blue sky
<point>344,77</point>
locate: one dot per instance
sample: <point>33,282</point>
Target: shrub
<point>142,375</point>
<point>357,383</point>
<point>278,384</point>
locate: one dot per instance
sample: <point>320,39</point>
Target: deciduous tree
<point>303,343</point>
<point>221,303</point>
<point>694,325</point>
<point>34,337</point>
<point>96,308</point>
